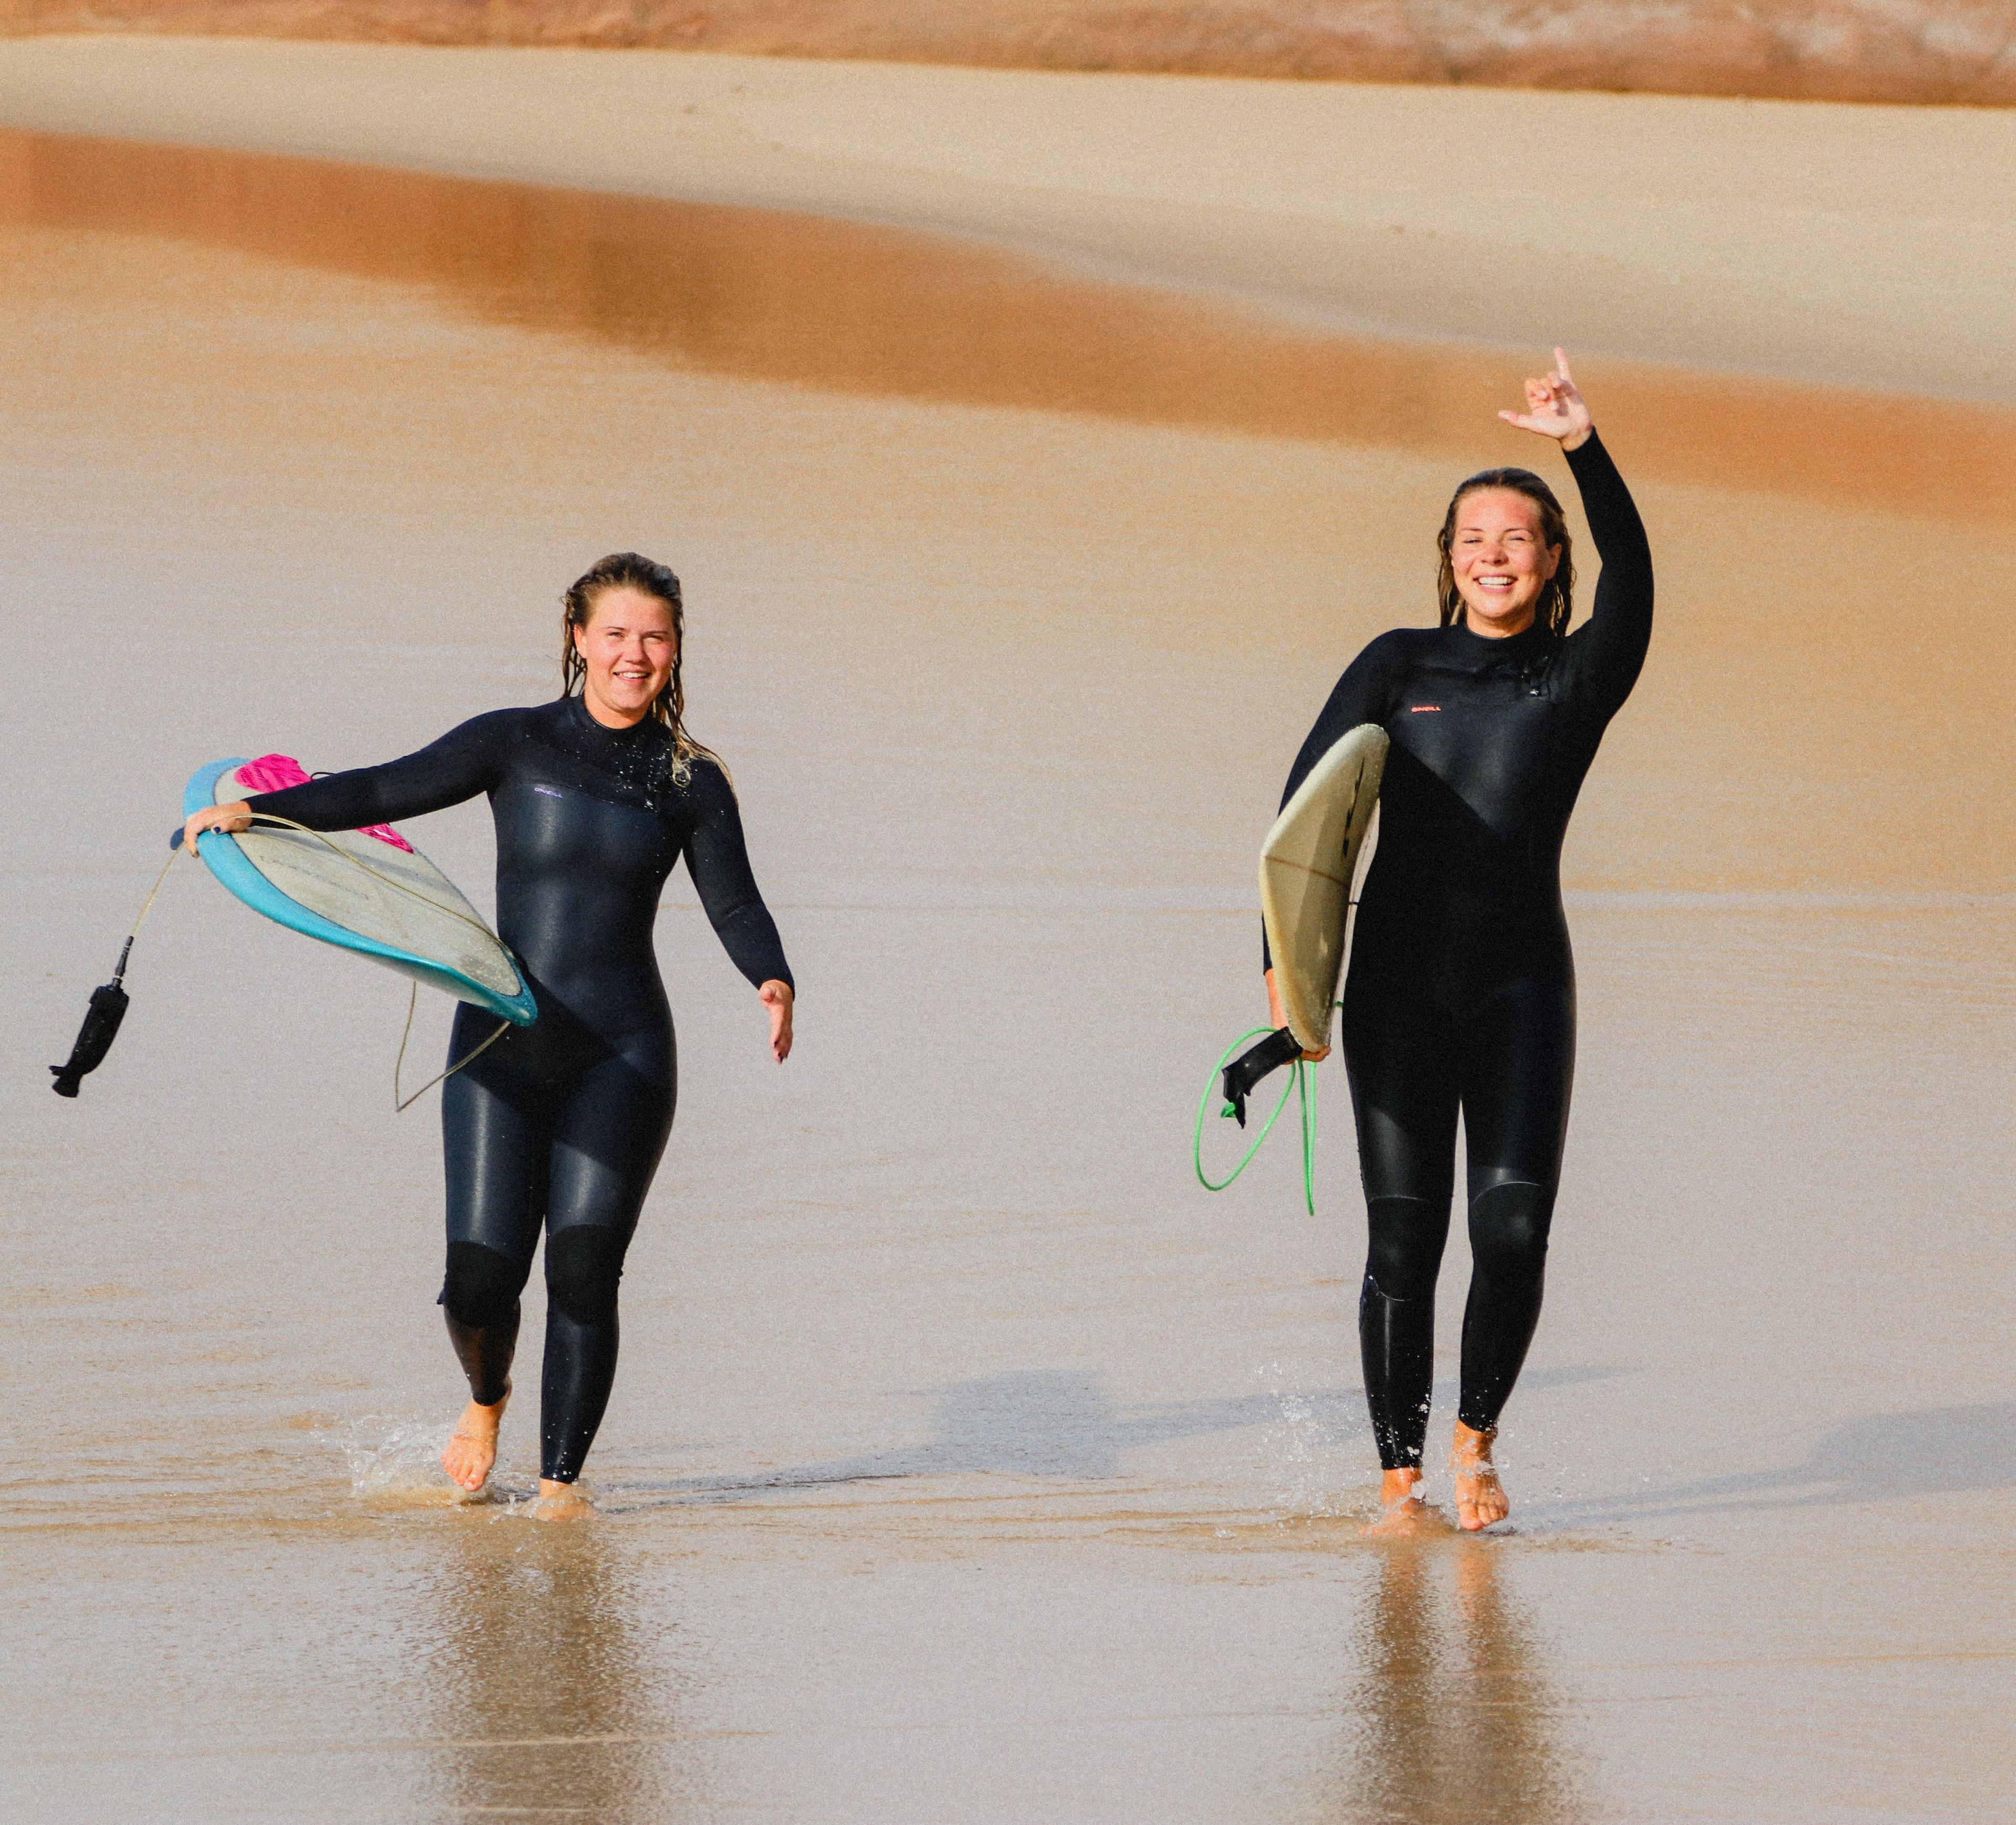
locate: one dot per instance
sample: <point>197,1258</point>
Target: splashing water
<point>399,1463</point>
<point>1302,1447</point>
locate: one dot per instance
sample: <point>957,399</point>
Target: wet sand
<point>1912,51</point>
<point>967,1462</point>
<point>1866,247</point>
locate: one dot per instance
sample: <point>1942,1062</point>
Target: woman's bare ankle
<point>1401,1508</point>
<point>562,1502</point>
<point>1400,1485</point>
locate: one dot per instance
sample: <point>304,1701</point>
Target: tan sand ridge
<point>1868,247</point>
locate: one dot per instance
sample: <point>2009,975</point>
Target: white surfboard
<point>1307,866</point>
<point>373,893</point>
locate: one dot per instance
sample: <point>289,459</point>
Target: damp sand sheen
<point>967,1463</point>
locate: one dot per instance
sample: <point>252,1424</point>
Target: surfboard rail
<point>226,859</point>
<point>1307,866</point>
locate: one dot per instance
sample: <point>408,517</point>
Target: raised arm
<point>459,765</point>
<point>718,858</point>
<point>1610,647</point>
<point>1613,642</point>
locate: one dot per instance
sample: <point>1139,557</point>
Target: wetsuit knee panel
<point>583,1265</point>
<point>1508,1228</point>
<point>1404,1252</point>
<point>483,1283</point>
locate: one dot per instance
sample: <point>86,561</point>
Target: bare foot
<point>562,1502</point>
<point>1402,1511</point>
<point>1480,1497</point>
<point>469,1456</point>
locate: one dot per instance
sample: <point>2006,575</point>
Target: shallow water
<point>967,1462</point>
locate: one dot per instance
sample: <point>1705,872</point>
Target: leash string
<point>412,1001</point>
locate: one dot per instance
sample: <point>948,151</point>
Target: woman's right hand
<point>1281,1020</point>
<point>231,818</point>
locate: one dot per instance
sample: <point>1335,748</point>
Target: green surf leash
<point>1301,1083</point>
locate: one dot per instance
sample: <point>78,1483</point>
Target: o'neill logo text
<point>1417,708</point>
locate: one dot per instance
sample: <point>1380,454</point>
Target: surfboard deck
<point>398,910</point>
<point>1307,866</point>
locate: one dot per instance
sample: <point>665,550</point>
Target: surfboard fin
<point>1243,1076</point>
<point>100,1028</point>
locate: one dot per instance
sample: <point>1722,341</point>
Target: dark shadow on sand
<point>1060,1423</point>
<point>1936,1451</point>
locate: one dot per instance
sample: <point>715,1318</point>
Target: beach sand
<point>1868,247</point>
<point>1912,51</point>
<point>967,1462</point>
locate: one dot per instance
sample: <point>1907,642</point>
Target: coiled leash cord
<point>1231,1082</point>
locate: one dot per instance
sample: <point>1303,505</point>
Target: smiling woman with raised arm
<point>1461,991</point>
<point>559,1125</point>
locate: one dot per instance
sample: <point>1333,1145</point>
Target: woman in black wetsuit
<point>1461,989</point>
<point>559,1125</point>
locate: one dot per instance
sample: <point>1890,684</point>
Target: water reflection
<point>543,1697</point>
<point>1458,1723</point>
<point>856,308</point>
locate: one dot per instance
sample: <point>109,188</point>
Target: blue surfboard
<point>361,893</point>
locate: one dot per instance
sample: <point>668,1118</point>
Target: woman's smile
<point>1501,563</point>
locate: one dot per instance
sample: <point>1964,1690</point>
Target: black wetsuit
<point>1461,987</point>
<point>561,1123</point>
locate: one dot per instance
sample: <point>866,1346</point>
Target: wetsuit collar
<point>578,708</point>
<point>1480,648</point>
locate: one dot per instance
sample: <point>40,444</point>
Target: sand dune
<point>848,308</point>
<point>1865,246</point>
<point>1928,50</point>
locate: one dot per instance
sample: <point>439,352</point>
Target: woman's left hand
<point>230,818</point>
<point>1555,407</point>
<point>777,997</point>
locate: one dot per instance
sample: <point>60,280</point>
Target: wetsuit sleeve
<point>718,860</point>
<point>464,762</point>
<point>1364,694</point>
<point>1609,648</point>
